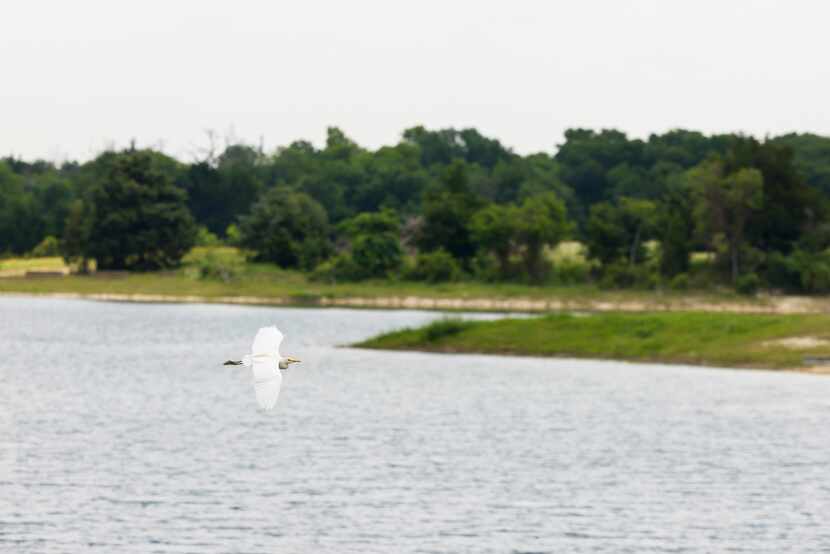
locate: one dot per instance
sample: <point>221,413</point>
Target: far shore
<point>651,303</point>
<point>267,285</point>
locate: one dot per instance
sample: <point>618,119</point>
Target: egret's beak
<point>292,360</point>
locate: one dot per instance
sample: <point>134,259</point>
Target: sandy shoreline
<point>767,305</point>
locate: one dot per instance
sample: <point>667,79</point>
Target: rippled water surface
<point>121,432</point>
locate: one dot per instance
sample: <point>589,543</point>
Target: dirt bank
<point>768,305</point>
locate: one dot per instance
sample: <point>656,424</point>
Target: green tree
<point>778,222</point>
<point>22,217</point>
<point>447,213</point>
<point>138,217</point>
<point>370,223</point>
<point>289,164</point>
<point>638,217</point>
<point>618,232</point>
<point>495,229</point>
<point>587,156</point>
<point>437,266</point>
<point>724,205</point>
<point>605,237</point>
<point>675,231</point>
<point>221,190</point>
<point>542,221</point>
<point>36,196</point>
<point>74,243</point>
<point>287,228</point>
<point>631,182</point>
<point>376,246</point>
<point>12,202</point>
<point>445,145</point>
<point>811,157</point>
<point>394,179</point>
<point>335,176</point>
<point>801,271</point>
<point>682,148</point>
<point>52,195</point>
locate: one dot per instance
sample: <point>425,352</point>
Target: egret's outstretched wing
<point>265,358</point>
<point>267,342</point>
<point>267,380</point>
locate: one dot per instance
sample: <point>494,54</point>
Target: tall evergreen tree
<point>138,217</point>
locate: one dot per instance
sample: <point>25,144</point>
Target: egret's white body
<point>266,363</point>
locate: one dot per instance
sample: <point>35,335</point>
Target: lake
<point>120,431</point>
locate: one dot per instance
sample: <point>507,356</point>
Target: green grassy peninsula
<point>713,339</point>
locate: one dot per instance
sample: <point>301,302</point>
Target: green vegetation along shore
<point>680,210</point>
<point>725,340</point>
<point>221,274</point>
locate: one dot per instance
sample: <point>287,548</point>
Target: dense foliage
<point>679,209</point>
<point>287,228</point>
<point>136,216</point>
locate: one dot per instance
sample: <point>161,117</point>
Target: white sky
<point>77,76</point>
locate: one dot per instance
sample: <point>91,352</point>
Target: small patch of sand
<point>814,370</point>
<point>797,343</point>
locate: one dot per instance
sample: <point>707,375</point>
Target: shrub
<point>571,272</point>
<point>801,271</point>
<point>622,275</point>
<point>435,267</point>
<point>48,247</point>
<point>814,271</point>
<point>286,227</point>
<point>377,254</point>
<point>444,328</point>
<point>312,251</point>
<point>485,267</point>
<point>210,266</point>
<point>339,268</point>
<point>748,284</point>
<point>205,238</point>
<point>782,273</point>
<point>703,274</point>
<point>232,235</point>
<point>679,282</point>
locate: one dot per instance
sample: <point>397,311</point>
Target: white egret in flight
<point>266,362</point>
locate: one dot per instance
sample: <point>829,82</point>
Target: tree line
<point>679,209</point>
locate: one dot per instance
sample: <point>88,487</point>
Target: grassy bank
<point>221,274</point>
<point>267,282</point>
<point>291,288</point>
<point>715,339</point>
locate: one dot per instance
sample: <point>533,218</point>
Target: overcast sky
<point>79,76</point>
